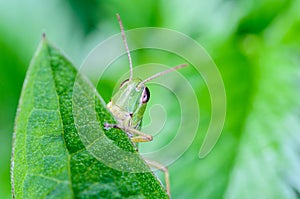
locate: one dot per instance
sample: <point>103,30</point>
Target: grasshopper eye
<point>124,82</point>
<point>145,95</point>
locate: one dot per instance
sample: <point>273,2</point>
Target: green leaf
<point>61,148</point>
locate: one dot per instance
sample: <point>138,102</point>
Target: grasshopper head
<point>132,96</point>
<point>131,99</point>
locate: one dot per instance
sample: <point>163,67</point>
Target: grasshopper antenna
<point>126,46</point>
<point>163,73</point>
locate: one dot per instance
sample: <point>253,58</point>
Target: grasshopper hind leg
<point>138,136</point>
<point>164,169</point>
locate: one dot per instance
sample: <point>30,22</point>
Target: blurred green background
<point>256,46</point>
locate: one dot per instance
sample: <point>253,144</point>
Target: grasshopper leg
<point>141,137</point>
<point>163,169</point>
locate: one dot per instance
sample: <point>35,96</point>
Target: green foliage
<point>10,84</point>
<point>256,47</point>
<point>50,159</point>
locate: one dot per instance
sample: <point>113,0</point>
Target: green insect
<point>128,106</point>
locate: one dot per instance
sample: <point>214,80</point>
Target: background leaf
<point>50,158</point>
<point>256,47</point>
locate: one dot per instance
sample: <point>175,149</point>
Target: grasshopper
<point>128,105</point>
